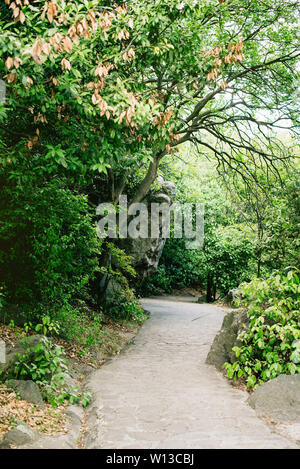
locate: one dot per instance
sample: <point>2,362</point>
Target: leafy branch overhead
<point>120,85</point>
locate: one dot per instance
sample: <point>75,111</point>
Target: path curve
<point>160,394</point>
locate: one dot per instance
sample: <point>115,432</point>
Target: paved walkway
<point>160,394</point>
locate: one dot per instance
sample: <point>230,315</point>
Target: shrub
<point>179,267</point>
<point>227,256</point>
<point>80,325</point>
<point>45,364</point>
<point>47,326</point>
<point>222,264</point>
<point>156,282</point>
<point>122,304</point>
<point>269,345</point>
<point>49,247</point>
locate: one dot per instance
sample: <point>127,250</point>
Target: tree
<point>227,254</point>
<point>95,86</point>
<point>99,93</point>
<point>271,209</point>
<point>228,251</point>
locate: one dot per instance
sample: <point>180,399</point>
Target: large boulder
<point>227,338</point>
<point>27,390</point>
<point>18,436</point>
<point>278,398</point>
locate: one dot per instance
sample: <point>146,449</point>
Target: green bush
<point>226,262</point>
<point>119,300</point>
<point>179,267</point>
<point>155,283</point>
<point>122,304</point>
<point>47,326</point>
<point>49,247</point>
<point>222,264</point>
<point>269,346</point>
<point>80,325</point>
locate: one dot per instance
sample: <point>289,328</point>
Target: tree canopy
<point>114,87</point>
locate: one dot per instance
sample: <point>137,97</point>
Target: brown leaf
<point>9,63</point>
<point>22,17</point>
<point>67,44</point>
<point>94,99</point>
<point>65,64</point>
<point>12,77</point>
<point>16,12</point>
<point>44,11</point>
<point>228,58</point>
<point>36,52</point>
<point>17,62</point>
<point>46,48</point>
<point>131,53</point>
<point>93,22</point>
<point>52,10</point>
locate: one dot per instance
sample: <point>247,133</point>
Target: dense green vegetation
<point>250,229</point>
<point>45,365</point>
<point>270,345</point>
<point>103,96</point>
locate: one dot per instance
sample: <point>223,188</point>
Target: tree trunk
<point>215,289</point>
<point>259,262</point>
<point>148,180</point>
<point>209,289</point>
<point>260,234</point>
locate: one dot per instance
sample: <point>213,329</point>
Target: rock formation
<point>146,252</point>
<point>226,338</point>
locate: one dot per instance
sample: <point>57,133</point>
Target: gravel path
<point>159,393</point>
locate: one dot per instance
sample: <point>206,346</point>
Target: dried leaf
<point>22,17</point>
<point>36,52</point>
<point>94,99</point>
<point>17,62</point>
<point>52,10</point>
<point>44,11</point>
<point>67,44</point>
<point>12,77</point>
<point>65,64</point>
<point>9,63</point>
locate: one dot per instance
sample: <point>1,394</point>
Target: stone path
<point>159,393</point>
